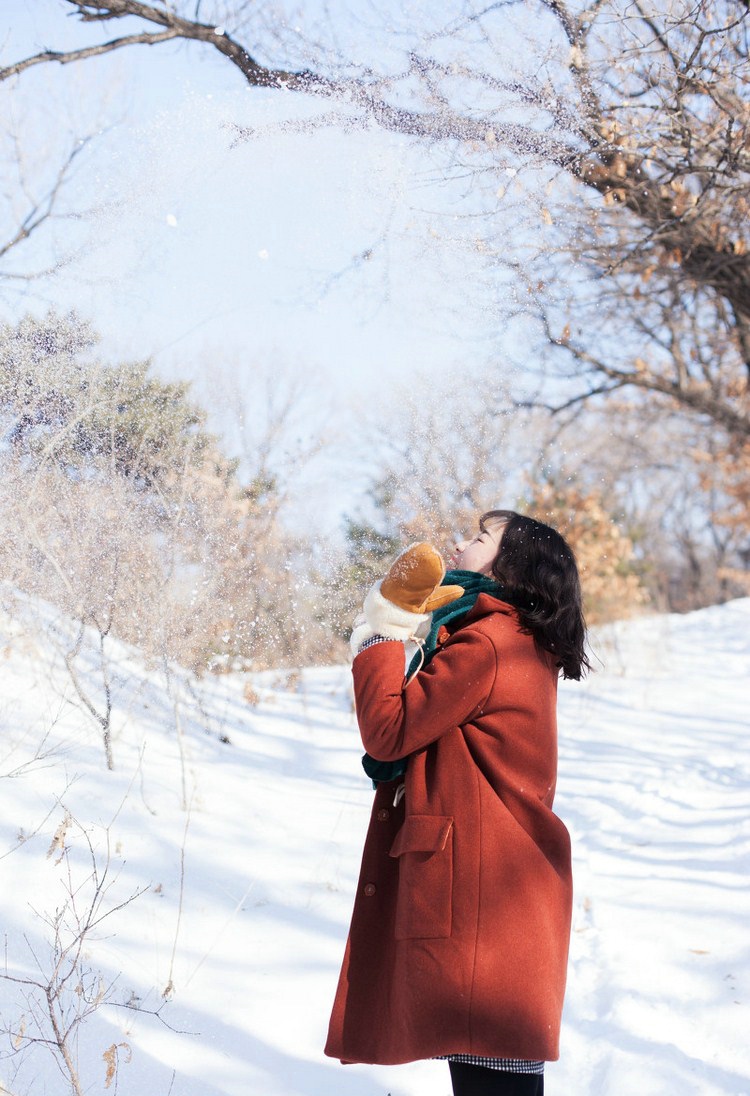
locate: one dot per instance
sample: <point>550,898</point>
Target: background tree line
<point>120,508</point>
<point>123,510</point>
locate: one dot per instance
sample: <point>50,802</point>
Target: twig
<point>169,988</point>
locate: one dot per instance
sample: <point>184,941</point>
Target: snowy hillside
<point>234,819</point>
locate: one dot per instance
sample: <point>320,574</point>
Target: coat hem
<point>442,1052</point>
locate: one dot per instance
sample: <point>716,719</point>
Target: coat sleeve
<point>396,720</point>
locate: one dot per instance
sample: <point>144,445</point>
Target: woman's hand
<point>400,605</point>
<point>413,582</point>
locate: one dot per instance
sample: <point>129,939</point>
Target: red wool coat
<point>459,936</point>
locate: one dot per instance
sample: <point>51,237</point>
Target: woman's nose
<point>459,546</point>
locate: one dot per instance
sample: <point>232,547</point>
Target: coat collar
<point>484,606</point>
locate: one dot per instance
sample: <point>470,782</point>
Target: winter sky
<point>322,251</point>
<point>351,261</point>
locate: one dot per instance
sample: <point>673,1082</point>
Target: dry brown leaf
<point>111,1056</point>
<point>18,1037</point>
<point>58,839</point>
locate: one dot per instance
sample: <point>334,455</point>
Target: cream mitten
<point>361,631</point>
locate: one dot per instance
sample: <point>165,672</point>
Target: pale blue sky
<point>221,262</point>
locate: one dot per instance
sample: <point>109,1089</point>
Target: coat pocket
<point>424,847</point>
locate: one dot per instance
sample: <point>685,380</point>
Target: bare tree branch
<point>42,210</point>
<point>435,126</point>
<point>696,397</point>
<point>66,57</point>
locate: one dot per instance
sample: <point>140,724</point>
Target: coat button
<point>370,889</point>
<point>383,815</point>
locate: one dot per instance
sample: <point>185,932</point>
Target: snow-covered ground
<point>239,813</point>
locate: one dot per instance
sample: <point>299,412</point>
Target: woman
<point>459,937</point>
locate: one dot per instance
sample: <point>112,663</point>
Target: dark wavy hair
<point>536,563</point>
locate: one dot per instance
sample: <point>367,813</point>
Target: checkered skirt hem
<point>372,641</point>
<point>510,1065</point>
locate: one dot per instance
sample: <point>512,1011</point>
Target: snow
<point>240,815</point>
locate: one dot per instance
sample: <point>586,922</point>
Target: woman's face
<point>480,553</point>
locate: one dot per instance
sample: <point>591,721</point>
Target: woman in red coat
<point>459,937</point>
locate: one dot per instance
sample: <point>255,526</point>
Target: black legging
<point>480,1081</point>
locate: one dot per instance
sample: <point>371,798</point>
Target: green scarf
<point>474,584</point>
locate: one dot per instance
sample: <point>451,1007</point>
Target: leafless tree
<point>62,991</point>
<point>644,108</point>
<point>39,207</point>
<point>42,154</point>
